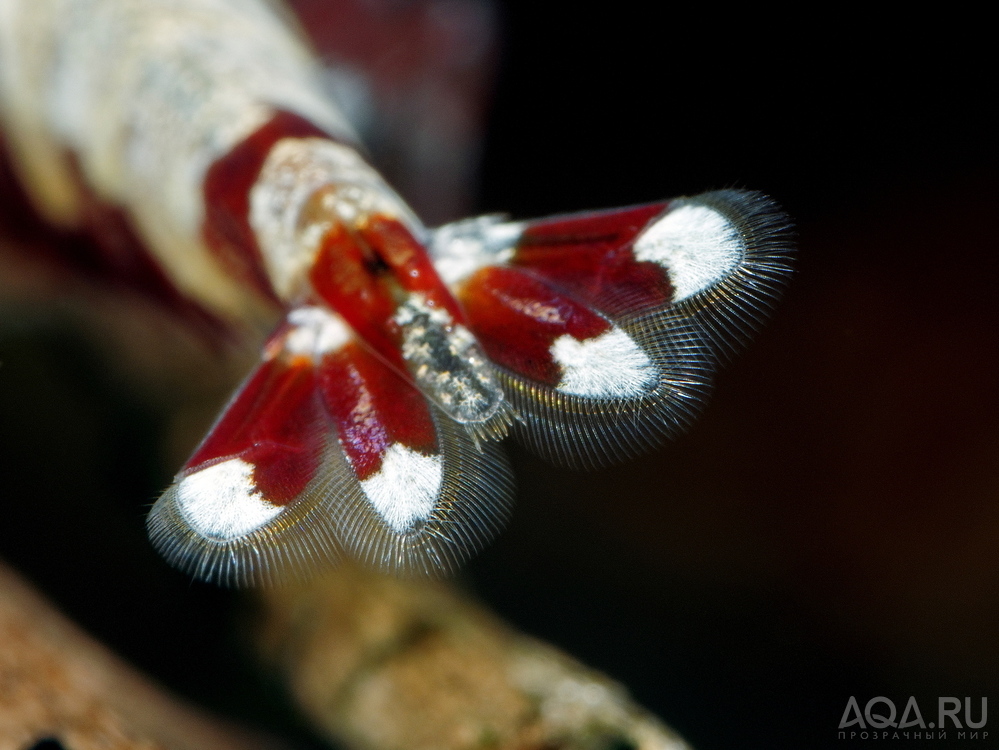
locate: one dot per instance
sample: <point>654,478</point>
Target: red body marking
<point>227,185</point>
<point>407,258</point>
<point>517,317</point>
<point>365,275</point>
<point>349,280</point>
<point>590,257</point>
<point>373,407</point>
<point>277,424</point>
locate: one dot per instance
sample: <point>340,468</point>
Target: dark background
<point>827,529</point>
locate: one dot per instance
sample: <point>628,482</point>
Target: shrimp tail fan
<point>606,327</point>
<point>326,453</point>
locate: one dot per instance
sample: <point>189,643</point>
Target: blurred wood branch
<point>384,664</point>
<point>58,684</point>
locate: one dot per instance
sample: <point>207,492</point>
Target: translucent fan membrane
<point>292,542</point>
<point>587,432</point>
<point>472,504</point>
<point>732,309</point>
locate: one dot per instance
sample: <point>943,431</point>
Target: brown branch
<point>385,664</point>
<point>57,683</point>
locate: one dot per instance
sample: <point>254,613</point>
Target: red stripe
<point>361,276</point>
<point>227,185</point>
<point>411,266</point>
<point>373,407</point>
<point>516,317</point>
<point>276,423</point>
<point>590,257</point>
<point>352,282</point>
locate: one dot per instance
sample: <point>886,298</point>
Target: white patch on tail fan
<point>316,332</point>
<point>221,501</point>
<point>462,248</point>
<point>610,365</point>
<point>406,487</point>
<point>697,245</point>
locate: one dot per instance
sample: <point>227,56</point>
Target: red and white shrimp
<point>370,427</point>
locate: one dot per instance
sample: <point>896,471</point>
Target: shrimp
<point>370,427</point>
